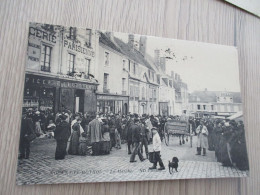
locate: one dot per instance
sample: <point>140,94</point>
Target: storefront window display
<point>107,106</point>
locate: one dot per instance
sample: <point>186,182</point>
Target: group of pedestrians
<point>140,132</point>
<point>86,134</point>
<point>225,137</point>
<point>78,134</point>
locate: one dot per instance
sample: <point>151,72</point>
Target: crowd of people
<point>225,137</point>
<point>98,134</point>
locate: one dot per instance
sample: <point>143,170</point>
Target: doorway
<point>125,109</point>
<point>79,100</point>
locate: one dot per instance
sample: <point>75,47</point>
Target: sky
<point>200,65</point>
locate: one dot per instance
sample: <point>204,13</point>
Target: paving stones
<point>42,168</point>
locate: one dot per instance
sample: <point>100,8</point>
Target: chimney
<point>131,40</point>
<point>163,63</point>
<point>110,35</point>
<point>142,45</point>
<point>157,57</point>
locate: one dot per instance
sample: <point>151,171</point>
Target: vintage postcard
<point>106,107</point>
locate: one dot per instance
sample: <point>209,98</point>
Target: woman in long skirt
<point>74,139</point>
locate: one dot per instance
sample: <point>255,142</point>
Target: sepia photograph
<point>103,106</point>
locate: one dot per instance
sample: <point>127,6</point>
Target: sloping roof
<point>211,96</point>
<point>132,53</point>
<point>106,41</point>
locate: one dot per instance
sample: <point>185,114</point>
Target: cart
<point>179,129</point>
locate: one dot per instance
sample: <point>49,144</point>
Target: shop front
<point>47,93</point>
<point>107,103</point>
<point>41,93</point>
<point>78,96</point>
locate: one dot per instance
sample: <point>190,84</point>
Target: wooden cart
<point>179,129</point>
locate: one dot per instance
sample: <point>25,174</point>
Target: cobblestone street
<point>42,168</point>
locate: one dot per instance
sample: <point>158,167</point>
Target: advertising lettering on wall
<point>76,47</point>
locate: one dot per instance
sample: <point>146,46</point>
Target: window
<point>154,93</point>
<point>105,82</point>
<point>71,67</point>
<point>134,69</point>
<point>123,85</point>
<point>198,106</point>
<point>124,65</point>
<point>158,79</point>
<point>129,65</point>
<point>212,107</point>
<point>204,107</point>
<point>143,93</point>
<point>131,91</point>
<point>87,66</point>
<point>106,59</point>
<point>46,58</point>
<point>88,37</point>
<point>222,107</point>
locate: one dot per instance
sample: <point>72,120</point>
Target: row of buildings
<point>92,71</point>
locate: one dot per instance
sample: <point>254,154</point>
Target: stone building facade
<point>60,68</point>
<point>214,103</point>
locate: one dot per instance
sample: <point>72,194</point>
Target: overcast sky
<point>200,65</point>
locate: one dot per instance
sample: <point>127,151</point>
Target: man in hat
<point>118,131</point>
<point>136,138</point>
<point>157,149</point>
<point>202,143</point>
<point>129,124</point>
<point>26,129</point>
<point>62,134</point>
<point>210,128</point>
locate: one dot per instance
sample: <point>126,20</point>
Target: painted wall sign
<point>42,81</point>
<point>77,85</point>
<point>42,34</point>
<point>78,48</point>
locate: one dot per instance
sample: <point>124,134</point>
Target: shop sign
<point>77,85</point>
<point>42,81</point>
<point>104,97</point>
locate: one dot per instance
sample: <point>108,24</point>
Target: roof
<point>106,41</point>
<point>132,53</point>
<point>211,96</point>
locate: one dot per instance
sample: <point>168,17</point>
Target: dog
<point>173,164</point>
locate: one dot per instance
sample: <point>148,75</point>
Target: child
<point>84,148</point>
